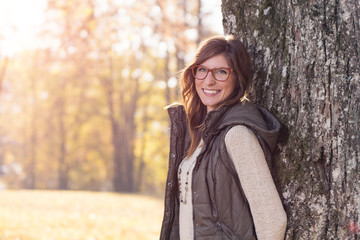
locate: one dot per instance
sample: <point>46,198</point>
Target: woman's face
<point>211,91</point>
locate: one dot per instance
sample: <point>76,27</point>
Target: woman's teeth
<point>210,91</point>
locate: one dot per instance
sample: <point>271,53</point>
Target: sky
<point>213,7</point>
<point>21,20</point>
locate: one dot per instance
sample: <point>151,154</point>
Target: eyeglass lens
<point>220,74</point>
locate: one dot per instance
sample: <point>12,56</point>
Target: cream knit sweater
<point>256,180</point>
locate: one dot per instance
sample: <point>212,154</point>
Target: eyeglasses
<point>220,74</point>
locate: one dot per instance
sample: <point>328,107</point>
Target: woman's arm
<point>256,180</point>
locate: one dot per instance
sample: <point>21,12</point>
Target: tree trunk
<point>119,173</point>
<point>167,77</point>
<point>119,164</point>
<point>63,176</point>
<point>3,66</point>
<point>123,128</point>
<point>200,26</point>
<point>142,163</point>
<point>31,174</point>
<point>306,64</point>
<point>130,133</point>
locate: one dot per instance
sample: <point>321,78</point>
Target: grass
<point>74,215</point>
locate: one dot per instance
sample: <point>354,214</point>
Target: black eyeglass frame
<point>193,69</point>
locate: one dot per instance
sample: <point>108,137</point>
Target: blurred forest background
<point>83,86</point>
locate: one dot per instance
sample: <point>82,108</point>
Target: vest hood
<point>261,121</point>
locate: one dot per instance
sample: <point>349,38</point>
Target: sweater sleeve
<point>256,180</point>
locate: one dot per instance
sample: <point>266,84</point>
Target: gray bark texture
<point>306,63</point>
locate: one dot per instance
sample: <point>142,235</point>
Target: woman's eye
<point>222,71</point>
<point>202,69</point>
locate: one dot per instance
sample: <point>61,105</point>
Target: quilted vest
<point>221,210</point>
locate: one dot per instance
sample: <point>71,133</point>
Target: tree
<point>3,65</point>
<point>306,64</point>
<point>87,112</point>
<point>74,21</point>
<point>30,181</point>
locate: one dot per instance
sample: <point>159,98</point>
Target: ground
<point>76,215</point>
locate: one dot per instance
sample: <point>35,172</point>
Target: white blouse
<point>186,223</point>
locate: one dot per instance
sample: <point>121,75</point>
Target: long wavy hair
<point>238,59</point>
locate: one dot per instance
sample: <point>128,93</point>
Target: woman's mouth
<point>210,92</point>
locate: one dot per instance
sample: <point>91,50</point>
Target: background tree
<point>4,60</point>
<point>306,62</point>
<point>85,109</point>
<point>74,20</point>
<point>3,65</point>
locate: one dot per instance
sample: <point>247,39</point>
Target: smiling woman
<point>218,167</point>
<point>20,21</point>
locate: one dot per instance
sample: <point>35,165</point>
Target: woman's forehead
<point>216,62</point>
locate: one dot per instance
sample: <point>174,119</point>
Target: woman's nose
<point>210,80</point>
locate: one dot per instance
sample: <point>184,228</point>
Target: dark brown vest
<point>221,210</point>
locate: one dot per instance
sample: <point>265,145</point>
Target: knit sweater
<point>256,180</point>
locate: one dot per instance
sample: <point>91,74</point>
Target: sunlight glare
<point>148,77</point>
<point>44,95</point>
<point>162,49</point>
<point>125,73</point>
<point>161,84</point>
<point>213,15</point>
<point>20,21</point>
<point>191,34</point>
<point>136,73</point>
<point>155,11</point>
<point>172,82</point>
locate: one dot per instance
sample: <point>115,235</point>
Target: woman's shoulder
<point>174,106</point>
<point>237,134</point>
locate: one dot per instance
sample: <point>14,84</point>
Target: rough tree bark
<point>306,62</point>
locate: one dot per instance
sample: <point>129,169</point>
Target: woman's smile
<point>210,92</point>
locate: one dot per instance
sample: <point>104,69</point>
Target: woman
<point>219,185</point>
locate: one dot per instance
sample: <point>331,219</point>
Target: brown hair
<point>238,59</point>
